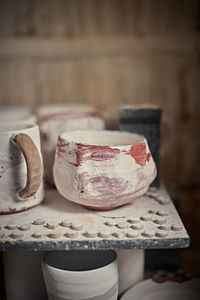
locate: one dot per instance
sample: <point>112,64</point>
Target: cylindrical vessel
<point>53,119</point>
<point>21,170</point>
<point>85,275</point>
<point>23,275</point>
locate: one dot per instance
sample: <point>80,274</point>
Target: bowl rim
<point>73,137</point>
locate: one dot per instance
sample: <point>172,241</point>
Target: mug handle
<point>34,166</point>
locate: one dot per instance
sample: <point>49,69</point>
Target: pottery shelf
<point>149,222</point>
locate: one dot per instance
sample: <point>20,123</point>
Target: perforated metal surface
<point>148,222</point>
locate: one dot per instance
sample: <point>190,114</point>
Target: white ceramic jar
<point>81,275</point>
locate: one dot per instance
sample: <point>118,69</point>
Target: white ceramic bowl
<point>150,290</point>
<point>102,169</point>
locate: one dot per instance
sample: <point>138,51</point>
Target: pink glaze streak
<point>96,153</point>
<point>104,185</point>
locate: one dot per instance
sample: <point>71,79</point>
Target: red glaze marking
<point>107,186</point>
<point>61,144</point>
<point>138,152</point>
<point>148,156</point>
<point>62,147</point>
<point>104,185</point>
<point>96,153</point>
<point>87,152</point>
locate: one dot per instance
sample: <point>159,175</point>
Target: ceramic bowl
<point>102,169</point>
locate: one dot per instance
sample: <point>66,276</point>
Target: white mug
<point>86,275</point>
<point>21,168</point>
<point>54,119</point>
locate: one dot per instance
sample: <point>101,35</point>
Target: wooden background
<point>108,53</point>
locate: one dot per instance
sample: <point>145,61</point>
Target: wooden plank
<point>92,47</point>
<point>49,18</point>
<point>7,18</point>
<point>17,83</point>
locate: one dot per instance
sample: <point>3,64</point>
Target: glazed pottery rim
<point>89,271</point>
<point>68,136</point>
<point>16,127</point>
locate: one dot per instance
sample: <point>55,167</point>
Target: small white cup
<point>86,275</point>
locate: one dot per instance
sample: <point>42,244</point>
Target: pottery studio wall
<point>107,53</point>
